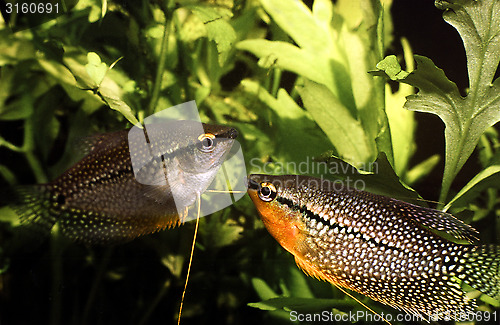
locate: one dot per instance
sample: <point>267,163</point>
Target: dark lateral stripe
<point>313,216</point>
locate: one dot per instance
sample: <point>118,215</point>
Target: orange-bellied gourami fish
<point>377,246</point>
<point>99,200</point>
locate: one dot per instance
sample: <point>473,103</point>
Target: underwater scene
<point>249,162</point>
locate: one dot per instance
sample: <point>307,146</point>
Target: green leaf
<point>155,31</point>
<point>390,67</point>
<point>290,119</point>
<point>297,283</point>
<point>15,102</point>
<point>295,18</point>
<point>422,169</point>
<point>402,127</point>
<point>58,71</point>
<point>17,109</point>
<point>218,29</point>
<point>114,102</point>
<point>262,289</point>
<point>9,215</point>
<point>219,233</point>
<point>381,180</point>
<point>335,51</point>
<point>7,174</point>
<point>46,126</point>
<point>345,132</point>
<point>300,304</point>
<point>317,57</point>
<point>108,90</point>
<point>478,23</point>
<point>289,57</point>
<point>401,121</point>
<point>487,178</point>
<point>95,68</point>
<point>98,10</point>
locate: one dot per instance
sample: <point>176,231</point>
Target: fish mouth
<point>232,133</point>
<point>253,184</point>
<point>221,132</point>
<point>254,181</point>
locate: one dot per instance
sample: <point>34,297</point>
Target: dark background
<point>429,35</point>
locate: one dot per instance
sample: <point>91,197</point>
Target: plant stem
<point>384,141</point>
<point>36,167</point>
<point>161,63</point>
<point>28,146</point>
<point>57,276</point>
<point>155,302</point>
<point>9,145</point>
<point>96,284</point>
<point>451,166</point>
<point>276,82</point>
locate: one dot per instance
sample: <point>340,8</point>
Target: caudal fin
<point>481,269</point>
<point>33,204</point>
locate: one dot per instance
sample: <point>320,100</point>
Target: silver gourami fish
<point>99,200</point>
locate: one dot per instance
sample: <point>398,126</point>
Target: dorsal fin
<point>437,220</point>
<point>97,142</point>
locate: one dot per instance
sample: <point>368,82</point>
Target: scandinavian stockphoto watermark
<point>310,166</point>
<point>332,175</point>
<point>182,160</point>
<point>367,316</point>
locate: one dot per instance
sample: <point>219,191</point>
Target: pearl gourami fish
<point>377,246</point>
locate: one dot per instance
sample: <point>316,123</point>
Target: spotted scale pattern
<point>99,200</point>
<point>379,246</point>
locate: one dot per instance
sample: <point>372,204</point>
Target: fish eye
<point>206,142</point>
<point>267,192</point>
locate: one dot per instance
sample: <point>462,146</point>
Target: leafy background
<point>293,78</point>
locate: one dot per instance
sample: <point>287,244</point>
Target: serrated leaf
<point>466,118</point>
<point>218,29</point>
<point>381,180</point>
<point>478,23</point>
<point>391,68</point>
